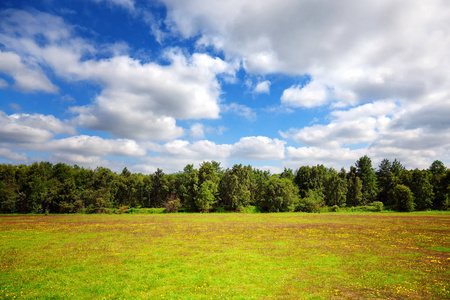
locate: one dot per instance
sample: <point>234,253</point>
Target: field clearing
<point>226,256</point>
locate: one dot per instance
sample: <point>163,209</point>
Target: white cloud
<point>334,157</point>
<point>362,50</point>
<point>13,156</point>
<point>336,134</point>
<point>364,124</point>
<point>240,110</point>
<point>138,100</point>
<point>25,128</point>
<point>127,4</point>
<point>174,155</point>
<point>93,146</point>
<point>27,78</point>
<point>197,131</point>
<point>259,147</point>
<point>3,84</point>
<point>313,94</point>
<point>262,87</point>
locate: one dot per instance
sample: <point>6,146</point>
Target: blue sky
<point>161,84</point>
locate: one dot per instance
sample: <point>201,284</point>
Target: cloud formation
<point>373,75</point>
<point>138,100</point>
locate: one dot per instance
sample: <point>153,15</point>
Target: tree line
<point>60,188</point>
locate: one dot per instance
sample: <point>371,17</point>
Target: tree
<point>422,189</point>
<point>354,188</point>
<point>388,176</point>
<point>235,187</point>
<point>335,189</point>
<point>288,173</point>
<point>312,202</point>
<point>8,189</point>
<point>279,195</point>
<point>189,187</point>
<point>258,179</point>
<point>160,189</point>
<point>206,195</point>
<point>402,197</point>
<point>438,173</point>
<point>310,178</point>
<point>368,178</point>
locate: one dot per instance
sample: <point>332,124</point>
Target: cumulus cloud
<point>259,147</point>
<point>363,51</point>
<point>138,100</point>
<point>240,110</point>
<point>28,78</point>
<point>26,128</point>
<point>363,124</point>
<point>11,155</point>
<point>337,157</point>
<point>313,94</point>
<point>262,87</point>
<point>94,146</point>
<point>174,155</point>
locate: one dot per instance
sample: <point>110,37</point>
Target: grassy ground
<point>226,256</point>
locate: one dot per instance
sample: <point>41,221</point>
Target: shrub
<point>334,208</point>
<point>312,202</point>
<point>172,205</point>
<point>251,209</point>
<point>122,209</point>
<point>377,206</point>
<point>402,197</point>
<point>240,209</point>
<point>220,209</point>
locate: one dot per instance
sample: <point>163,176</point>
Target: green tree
<point>312,202</point>
<point>310,178</point>
<point>8,189</point>
<point>422,189</point>
<point>235,187</point>
<point>288,174</point>
<point>206,196</point>
<point>189,187</point>
<point>258,179</point>
<point>335,189</point>
<point>438,173</point>
<point>354,188</point>
<point>279,195</point>
<point>368,178</point>
<point>160,189</point>
<point>402,197</point>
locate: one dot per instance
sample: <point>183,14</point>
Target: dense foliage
<point>47,188</point>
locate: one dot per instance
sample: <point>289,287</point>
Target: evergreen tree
<point>354,188</point>
<point>368,178</point>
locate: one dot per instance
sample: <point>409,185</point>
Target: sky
<point>148,84</point>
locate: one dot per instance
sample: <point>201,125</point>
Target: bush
<point>334,208</point>
<point>377,206</point>
<point>251,209</point>
<point>172,205</point>
<point>402,197</point>
<point>153,210</point>
<point>219,209</point>
<point>122,209</point>
<point>240,209</point>
<point>313,202</point>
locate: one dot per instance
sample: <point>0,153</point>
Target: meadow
<point>226,256</point>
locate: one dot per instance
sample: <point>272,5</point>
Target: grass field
<point>226,256</point>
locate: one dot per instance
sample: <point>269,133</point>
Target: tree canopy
<point>60,188</point>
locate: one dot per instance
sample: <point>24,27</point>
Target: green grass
<point>226,256</point>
